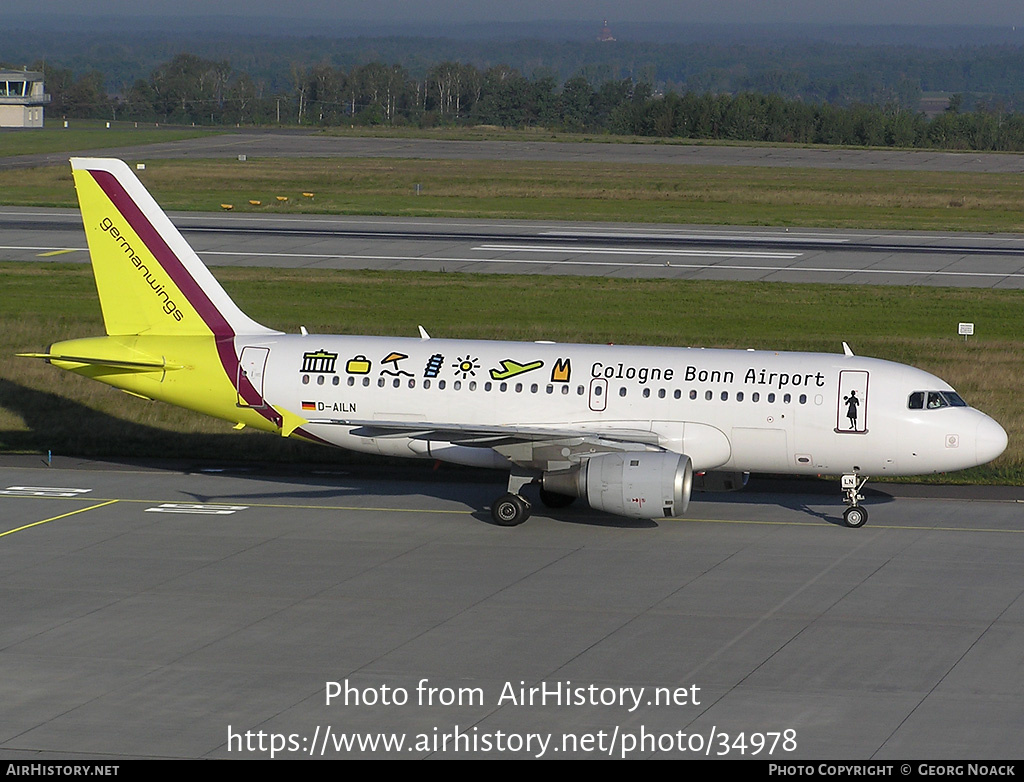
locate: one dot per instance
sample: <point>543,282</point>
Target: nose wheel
<point>855,515</point>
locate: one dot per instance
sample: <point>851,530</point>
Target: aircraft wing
<point>487,436</point>
<point>531,447</point>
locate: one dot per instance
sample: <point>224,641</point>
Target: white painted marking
<point>620,264</point>
<point>43,249</point>
<point>613,264</point>
<point>706,237</point>
<point>684,253</point>
<point>43,491</point>
<point>206,510</point>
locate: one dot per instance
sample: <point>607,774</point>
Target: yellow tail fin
<point>150,281</point>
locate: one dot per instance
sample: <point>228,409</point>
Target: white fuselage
<point>726,409</point>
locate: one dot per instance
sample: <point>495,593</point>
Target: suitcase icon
<point>358,366</point>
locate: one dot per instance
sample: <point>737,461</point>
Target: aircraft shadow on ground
<point>66,427</point>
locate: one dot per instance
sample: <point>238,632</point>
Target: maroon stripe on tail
<point>163,253</point>
<point>223,333</point>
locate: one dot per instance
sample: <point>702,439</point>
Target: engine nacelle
<point>642,485</point>
<point>720,481</point>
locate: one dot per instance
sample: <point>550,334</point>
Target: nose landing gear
<point>855,515</point>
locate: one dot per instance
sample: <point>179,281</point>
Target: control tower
<point>22,99</point>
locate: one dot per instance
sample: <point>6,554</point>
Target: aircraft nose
<point>990,440</point>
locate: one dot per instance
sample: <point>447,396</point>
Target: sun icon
<point>466,366</point>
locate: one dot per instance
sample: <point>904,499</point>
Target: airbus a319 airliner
<point>631,429</point>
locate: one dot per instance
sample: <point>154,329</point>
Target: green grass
<point>85,135</point>
<point>42,408</point>
<point>567,191</point>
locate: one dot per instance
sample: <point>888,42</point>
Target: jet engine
<point>643,485</point>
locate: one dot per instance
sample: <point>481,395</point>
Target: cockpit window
<point>954,399</point>
<point>933,400</point>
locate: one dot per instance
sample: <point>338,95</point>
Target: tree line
<point>193,90</point>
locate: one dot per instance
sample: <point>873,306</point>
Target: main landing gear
<point>512,509</point>
<point>855,515</point>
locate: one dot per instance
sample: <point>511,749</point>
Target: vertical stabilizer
<point>150,281</point>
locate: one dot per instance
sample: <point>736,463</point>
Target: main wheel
<point>510,510</point>
<point>855,516</point>
<point>554,500</point>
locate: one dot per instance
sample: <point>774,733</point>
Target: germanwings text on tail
<point>633,430</point>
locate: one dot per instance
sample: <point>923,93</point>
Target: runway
<point>184,613</point>
<point>519,247</point>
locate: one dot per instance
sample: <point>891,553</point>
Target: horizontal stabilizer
<point>115,363</point>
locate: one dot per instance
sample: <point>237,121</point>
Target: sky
<point>874,12</point>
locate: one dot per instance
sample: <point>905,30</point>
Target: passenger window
<point>550,389</point>
<point>305,380</point>
<point>488,386</point>
<point>739,396</point>
<point>622,391</point>
<point>678,394</point>
<point>565,390</point>
<point>426,384</point>
<point>533,388</point>
<point>503,387</point>
<point>755,397</point>
<point>725,396</point>
<point>803,399</point>
<point>335,380</point>
<point>787,398</point>
<point>647,393</point>
<point>396,382</point>
<point>708,396</point>
<point>351,381</point>
<point>440,385</point>
<point>693,394</point>
<point>519,388</point>
<point>472,385</point>
<point>771,397</point>
<point>457,385</point>
<point>380,382</point>
<point>320,380</point>
<point>366,381</point>
<point>661,393</point>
